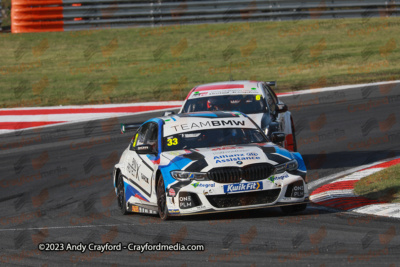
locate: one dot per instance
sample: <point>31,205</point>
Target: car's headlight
<point>288,166</point>
<point>184,175</point>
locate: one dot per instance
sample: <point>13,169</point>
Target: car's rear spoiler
<point>129,126</point>
<point>271,83</point>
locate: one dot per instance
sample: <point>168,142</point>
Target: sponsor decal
<point>185,201</point>
<point>239,162</point>
<point>131,168</point>
<point>281,177</point>
<point>252,154</point>
<point>199,94</point>
<point>232,188</point>
<point>183,125</point>
<point>144,210</point>
<point>195,185</point>
<point>298,191</point>
<point>272,178</point>
<point>234,157</point>
<point>171,192</point>
<point>144,178</point>
<point>174,211</point>
<point>207,124</point>
<point>135,209</point>
<point>174,153</point>
<point>225,92</point>
<point>226,148</point>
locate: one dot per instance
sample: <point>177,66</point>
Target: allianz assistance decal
<point>232,188</point>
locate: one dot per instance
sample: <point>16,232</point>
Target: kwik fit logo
<point>232,188</point>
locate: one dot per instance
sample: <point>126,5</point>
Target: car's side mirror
<point>145,149</point>
<point>281,108</point>
<point>277,137</point>
<point>168,113</point>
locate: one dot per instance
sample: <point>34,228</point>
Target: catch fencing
<point>69,15</point>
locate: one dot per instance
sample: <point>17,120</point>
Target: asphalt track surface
<point>56,186</point>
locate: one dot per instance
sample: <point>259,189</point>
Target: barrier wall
<point>68,15</point>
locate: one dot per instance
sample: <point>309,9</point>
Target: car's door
<point>274,105</point>
<point>146,166</point>
<point>283,118</point>
<point>132,163</point>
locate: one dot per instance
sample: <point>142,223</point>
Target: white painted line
<point>83,120</point>
<point>160,103</point>
<point>65,227</point>
<point>61,117</point>
<point>387,210</point>
<point>335,88</point>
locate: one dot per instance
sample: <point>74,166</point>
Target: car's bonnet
<point>204,159</point>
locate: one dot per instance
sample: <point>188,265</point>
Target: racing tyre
<point>121,195</point>
<point>293,208</point>
<point>162,199</point>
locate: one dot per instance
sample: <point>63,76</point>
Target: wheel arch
<point>158,175</point>
<point>117,171</point>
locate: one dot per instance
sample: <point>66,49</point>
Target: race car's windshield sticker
<point>214,138</point>
<point>237,91</point>
<point>190,124</point>
<point>172,141</point>
<point>246,103</point>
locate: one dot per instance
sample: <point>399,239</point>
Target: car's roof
<point>204,114</point>
<point>227,85</point>
<point>225,88</point>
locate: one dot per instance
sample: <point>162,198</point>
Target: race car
<point>207,162</point>
<point>255,99</point>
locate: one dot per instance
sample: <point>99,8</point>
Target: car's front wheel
<point>162,199</point>
<point>293,208</point>
<point>121,195</point>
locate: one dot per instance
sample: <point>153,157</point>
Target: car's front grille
<point>244,199</point>
<point>252,172</point>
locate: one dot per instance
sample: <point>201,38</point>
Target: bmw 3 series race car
<point>207,162</point>
<point>256,99</point>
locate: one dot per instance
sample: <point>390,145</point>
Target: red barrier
<point>36,16</point>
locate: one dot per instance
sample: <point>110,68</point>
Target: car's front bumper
<point>208,197</point>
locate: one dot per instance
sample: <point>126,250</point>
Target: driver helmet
<point>214,104</point>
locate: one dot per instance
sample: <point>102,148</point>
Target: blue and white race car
<point>207,162</point>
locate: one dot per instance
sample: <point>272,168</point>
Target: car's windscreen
<point>247,104</point>
<point>213,137</point>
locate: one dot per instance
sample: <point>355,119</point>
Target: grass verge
<point>164,63</point>
<point>383,185</point>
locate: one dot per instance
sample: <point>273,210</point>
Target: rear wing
<point>271,83</point>
<point>129,126</point>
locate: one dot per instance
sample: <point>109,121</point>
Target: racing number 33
<point>172,142</point>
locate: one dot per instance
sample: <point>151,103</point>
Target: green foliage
<point>164,63</point>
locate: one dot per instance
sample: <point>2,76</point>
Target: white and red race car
<point>256,99</point>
